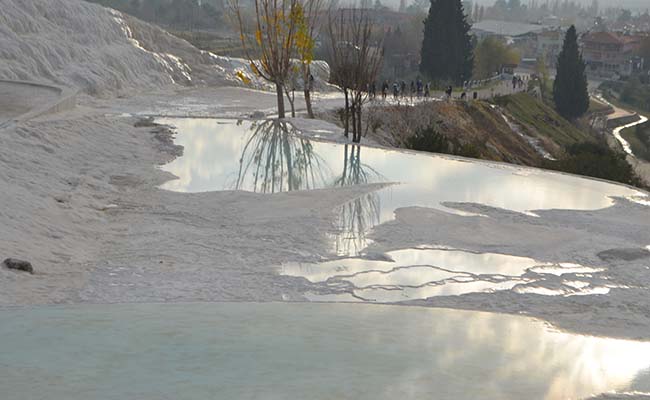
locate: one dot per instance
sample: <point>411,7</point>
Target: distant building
<point>508,69</point>
<point>508,30</point>
<point>551,20</point>
<point>611,55</point>
<point>520,35</point>
<point>549,45</point>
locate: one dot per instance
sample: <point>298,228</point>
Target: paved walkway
<point>618,112</point>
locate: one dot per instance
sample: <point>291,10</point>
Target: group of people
<point>417,88</point>
<point>463,94</point>
<point>401,90</point>
<point>517,82</point>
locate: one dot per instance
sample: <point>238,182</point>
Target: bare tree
<point>270,47</point>
<point>356,55</point>
<point>305,42</point>
<point>290,89</point>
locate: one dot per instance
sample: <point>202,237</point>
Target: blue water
<point>302,351</point>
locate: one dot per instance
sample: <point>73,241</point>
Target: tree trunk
<point>310,111</point>
<point>359,123</point>
<point>346,115</point>
<point>280,95</point>
<point>291,96</point>
<point>306,77</point>
<point>344,181</point>
<point>353,112</point>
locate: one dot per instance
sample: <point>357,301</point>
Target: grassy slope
<point>542,121</point>
<point>477,124</point>
<point>480,128</point>
<point>472,125</point>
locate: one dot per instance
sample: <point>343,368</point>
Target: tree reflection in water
<point>356,218</point>
<point>274,160</point>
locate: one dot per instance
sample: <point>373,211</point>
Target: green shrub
<point>597,160</point>
<point>429,139</point>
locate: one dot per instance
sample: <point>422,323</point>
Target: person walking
<point>384,90</point>
<point>427,90</point>
<point>395,91</point>
<point>403,89</point>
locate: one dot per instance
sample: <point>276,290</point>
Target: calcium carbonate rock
<point>105,52</point>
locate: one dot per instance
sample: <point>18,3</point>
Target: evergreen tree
<point>447,46</point>
<point>570,87</point>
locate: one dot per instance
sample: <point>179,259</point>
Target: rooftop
<point>505,28</point>
<point>603,37</point>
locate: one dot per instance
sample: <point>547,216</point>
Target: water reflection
<point>356,218</point>
<point>304,351</point>
<point>420,273</point>
<point>265,156</point>
<point>274,160</point>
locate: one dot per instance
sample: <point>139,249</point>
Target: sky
<point>632,4</point>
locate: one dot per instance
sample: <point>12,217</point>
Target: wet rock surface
<point>18,265</point>
<point>624,254</point>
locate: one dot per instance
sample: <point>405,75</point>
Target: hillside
<point>99,50</point>
<point>541,121</point>
<point>517,129</point>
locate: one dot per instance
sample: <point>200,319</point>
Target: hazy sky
<point>632,4</point>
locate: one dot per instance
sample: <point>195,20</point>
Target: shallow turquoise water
<point>302,351</point>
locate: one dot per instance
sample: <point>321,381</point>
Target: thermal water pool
<point>303,351</point>
<point>266,156</point>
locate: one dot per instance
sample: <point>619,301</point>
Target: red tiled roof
<point>603,37</point>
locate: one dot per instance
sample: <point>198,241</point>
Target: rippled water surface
<point>303,351</point>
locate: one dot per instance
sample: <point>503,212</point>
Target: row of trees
<point>281,41</point>
<point>448,54</point>
<point>535,10</point>
<point>490,55</point>
<point>284,32</point>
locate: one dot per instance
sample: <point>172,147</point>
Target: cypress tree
<point>570,91</point>
<point>447,45</point>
